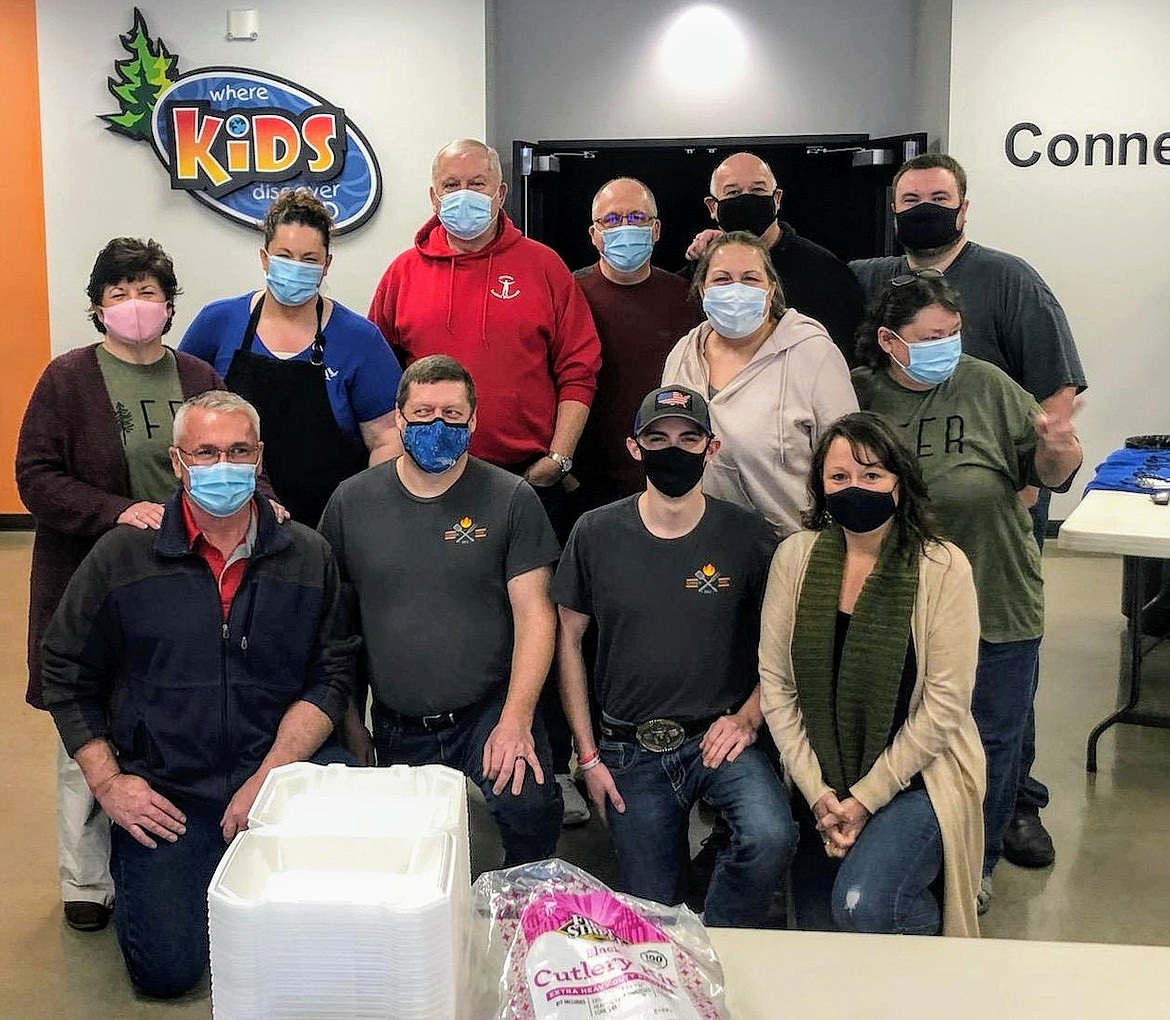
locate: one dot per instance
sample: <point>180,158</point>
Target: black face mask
<point>927,226</point>
<point>753,213</point>
<point>672,470</point>
<point>860,510</point>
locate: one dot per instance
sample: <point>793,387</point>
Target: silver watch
<point>563,462</point>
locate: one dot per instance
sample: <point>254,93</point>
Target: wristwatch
<point>563,462</point>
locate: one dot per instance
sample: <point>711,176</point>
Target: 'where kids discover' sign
<point>235,138</point>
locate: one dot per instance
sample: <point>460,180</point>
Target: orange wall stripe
<point>24,284</point>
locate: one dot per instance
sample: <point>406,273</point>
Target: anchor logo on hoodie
<point>505,293</point>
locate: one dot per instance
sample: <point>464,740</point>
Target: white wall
<point>1096,233</point>
<point>407,87</point>
<point>932,71</point>
<point>604,69</point>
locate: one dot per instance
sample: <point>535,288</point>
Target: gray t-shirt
<point>975,442</point>
<point>678,619</point>
<point>429,578</point>
<point>144,399</point>
<point>1010,317</point>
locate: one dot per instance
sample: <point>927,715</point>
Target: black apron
<point>306,454</point>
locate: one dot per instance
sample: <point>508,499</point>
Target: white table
<point>1129,524</point>
<point>783,975</point>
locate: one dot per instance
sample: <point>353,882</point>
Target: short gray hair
<point>650,200</point>
<point>462,145</point>
<point>214,400</point>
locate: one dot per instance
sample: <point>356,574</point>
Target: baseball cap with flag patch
<point>673,402</point>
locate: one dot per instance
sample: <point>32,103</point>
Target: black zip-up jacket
<point>138,652</point>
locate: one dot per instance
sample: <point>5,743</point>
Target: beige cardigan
<point>770,416</point>
<point>938,739</point>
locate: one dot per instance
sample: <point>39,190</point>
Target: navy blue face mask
<point>436,445</point>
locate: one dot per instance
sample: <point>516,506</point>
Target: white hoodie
<point>770,416</point>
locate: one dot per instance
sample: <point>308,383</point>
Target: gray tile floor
<point>1111,881</point>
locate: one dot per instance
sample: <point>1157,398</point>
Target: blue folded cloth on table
<point>1133,470</point>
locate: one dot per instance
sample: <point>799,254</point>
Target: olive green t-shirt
<point>975,439</point>
<point>144,399</point>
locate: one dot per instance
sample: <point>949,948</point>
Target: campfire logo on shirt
<point>707,580</point>
<point>236,138</point>
<point>505,293</point>
<point>464,532</point>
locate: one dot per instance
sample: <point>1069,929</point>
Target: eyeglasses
<point>916,274</point>
<point>237,453</point>
<point>613,219</point>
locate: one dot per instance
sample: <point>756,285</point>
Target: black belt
<point>659,735</point>
<point>435,723</point>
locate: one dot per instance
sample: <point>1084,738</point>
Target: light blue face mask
<point>465,214</point>
<point>735,310</point>
<point>627,248</point>
<point>292,282</point>
<point>221,489</point>
<point>932,361</point>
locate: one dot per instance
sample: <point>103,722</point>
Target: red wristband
<point>589,758</point>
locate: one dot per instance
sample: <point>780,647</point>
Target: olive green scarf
<point>848,723</point>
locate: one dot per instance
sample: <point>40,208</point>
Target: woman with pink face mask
<point>94,453</point>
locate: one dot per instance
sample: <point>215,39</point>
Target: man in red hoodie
<point>473,287</point>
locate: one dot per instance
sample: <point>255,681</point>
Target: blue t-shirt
<point>361,372</point>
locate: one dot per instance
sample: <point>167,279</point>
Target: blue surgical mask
<point>735,310</point>
<point>627,248</point>
<point>465,214</point>
<point>932,361</point>
<point>436,445</point>
<point>221,489</point>
<point>292,282</point>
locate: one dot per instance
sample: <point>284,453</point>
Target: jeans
<point>1005,681</point>
<point>160,902</point>
<point>530,823</point>
<point>1031,794</point>
<point>650,837</point>
<point>884,884</point>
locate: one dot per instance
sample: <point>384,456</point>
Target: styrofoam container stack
<point>347,897</point>
<point>303,797</point>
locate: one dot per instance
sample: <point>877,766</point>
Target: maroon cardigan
<point>72,475</point>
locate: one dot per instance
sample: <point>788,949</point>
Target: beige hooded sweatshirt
<point>770,416</point>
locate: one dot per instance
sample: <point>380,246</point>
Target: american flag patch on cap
<point>672,398</point>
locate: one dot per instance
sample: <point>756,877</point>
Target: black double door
<point>836,188</point>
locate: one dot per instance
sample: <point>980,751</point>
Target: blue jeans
<point>1031,794</point>
<point>651,835</point>
<point>884,884</point>
<point>1005,681</point>
<point>530,823</point>
<point>160,895</point>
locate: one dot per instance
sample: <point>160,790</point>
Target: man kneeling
<point>675,580</point>
<point>181,667</point>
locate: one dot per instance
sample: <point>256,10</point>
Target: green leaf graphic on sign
<point>144,77</point>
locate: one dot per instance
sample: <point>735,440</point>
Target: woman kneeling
<point>869,640</point>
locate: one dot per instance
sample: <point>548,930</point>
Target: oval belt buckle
<point>660,735</point>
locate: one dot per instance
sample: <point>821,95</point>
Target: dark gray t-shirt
<point>429,578</point>
<point>678,619</point>
<point>1010,317</point>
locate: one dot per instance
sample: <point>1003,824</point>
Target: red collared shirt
<point>227,572</point>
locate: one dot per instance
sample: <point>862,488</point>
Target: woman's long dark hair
<point>874,441</point>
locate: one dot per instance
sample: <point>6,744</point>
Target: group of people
<point>809,557</point>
